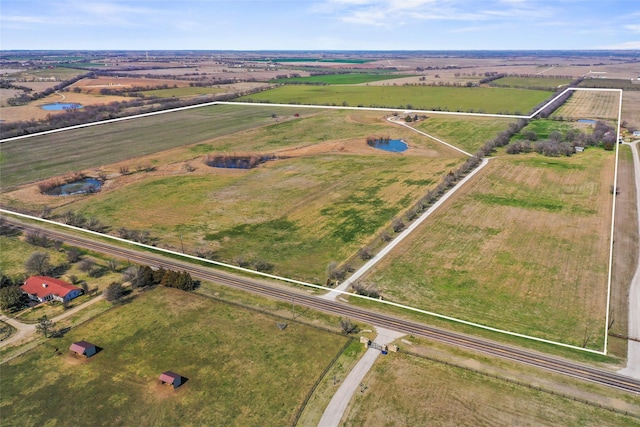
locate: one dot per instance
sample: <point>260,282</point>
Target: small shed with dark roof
<point>171,378</point>
<point>83,348</point>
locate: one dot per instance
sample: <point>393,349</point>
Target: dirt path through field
<point>633,352</point>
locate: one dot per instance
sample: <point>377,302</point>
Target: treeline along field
<point>523,248</point>
<point>487,100</point>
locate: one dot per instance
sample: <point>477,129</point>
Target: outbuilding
<point>171,378</point>
<point>83,348</point>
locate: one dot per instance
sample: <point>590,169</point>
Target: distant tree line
<point>27,96</point>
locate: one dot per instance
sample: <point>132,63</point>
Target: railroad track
<point>271,290</point>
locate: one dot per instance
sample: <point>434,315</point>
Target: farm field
<point>523,248</point>
<point>590,105</point>
<point>343,79</point>
<point>468,133</point>
<point>42,157</point>
<point>240,368</point>
<point>531,82</point>
<point>94,86</point>
<point>184,92</point>
<point>327,196</point>
<point>488,100</point>
<point>413,391</point>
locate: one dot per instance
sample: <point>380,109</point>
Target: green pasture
<point>488,100</point>
<point>15,252</point>
<point>42,157</point>
<point>531,82</point>
<point>241,369</point>
<point>343,79</point>
<point>180,92</point>
<point>523,249</point>
<point>298,214</point>
<point>414,391</point>
<point>543,128</point>
<point>468,133</point>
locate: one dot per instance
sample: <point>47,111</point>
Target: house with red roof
<point>44,288</point>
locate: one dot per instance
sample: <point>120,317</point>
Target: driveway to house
<point>26,330</point>
<point>338,405</point>
<point>633,347</point>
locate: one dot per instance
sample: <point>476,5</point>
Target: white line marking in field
<point>392,244</point>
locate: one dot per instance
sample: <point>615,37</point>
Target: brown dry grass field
<point>93,86</point>
<point>590,105</point>
<point>524,248</point>
<point>403,390</point>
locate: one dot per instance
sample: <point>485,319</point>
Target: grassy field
<point>183,92</point>
<point>42,157</point>
<point>321,203</point>
<point>530,82</point>
<point>590,105</point>
<point>412,391</point>
<point>488,100</point>
<point>468,133</point>
<point>343,79</point>
<point>15,253</point>
<point>543,128</point>
<point>523,248</point>
<point>241,369</point>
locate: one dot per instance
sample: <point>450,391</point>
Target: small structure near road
<point>172,379</point>
<point>384,349</point>
<point>83,348</point>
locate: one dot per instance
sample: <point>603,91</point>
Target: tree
<point>86,265</point>
<point>347,326</point>
<point>44,325</point>
<point>38,263</point>
<point>73,255</point>
<point>10,297</point>
<point>114,292</point>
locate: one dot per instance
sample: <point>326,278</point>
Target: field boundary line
<point>301,283</point>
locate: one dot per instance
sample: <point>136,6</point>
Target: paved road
<point>633,347</point>
<point>350,386</point>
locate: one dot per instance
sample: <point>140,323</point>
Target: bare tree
<point>44,325</point>
<point>86,265</point>
<point>38,263</point>
<point>347,326</point>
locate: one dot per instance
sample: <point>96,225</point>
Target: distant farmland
<point>343,79</point>
<point>488,100</point>
<point>531,82</point>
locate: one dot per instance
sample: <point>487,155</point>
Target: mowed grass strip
<point>590,105</point>
<point>487,100</point>
<point>468,133</point>
<point>343,79</point>
<point>523,248</point>
<point>241,369</point>
<point>42,157</point>
<point>418,392</point>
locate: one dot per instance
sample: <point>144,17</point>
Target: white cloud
<point>623,45</point>
<point>633,27</point>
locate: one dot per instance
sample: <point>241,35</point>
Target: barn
<point>83,348</point>
<point>171,378</point>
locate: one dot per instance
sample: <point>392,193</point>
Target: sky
<point>319,24</point>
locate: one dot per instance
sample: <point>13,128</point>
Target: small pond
<point>393,145</point>
<point>84,186</point>
<point>58,106</point>
<point>588,121</point>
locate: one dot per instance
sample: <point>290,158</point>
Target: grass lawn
<point>523,248</point>
<point>543,128</point>
<point>45,156</point>
<point>15,252</point>
<point>531,82</point>
<point>413,391</point>
<point>343,79</point>
<point>468,133</point>
<point>488,100</point>
<point>241,369</point>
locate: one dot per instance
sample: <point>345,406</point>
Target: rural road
<point>338,405</point>
<point>25,330</point>
<point>633,347</point>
